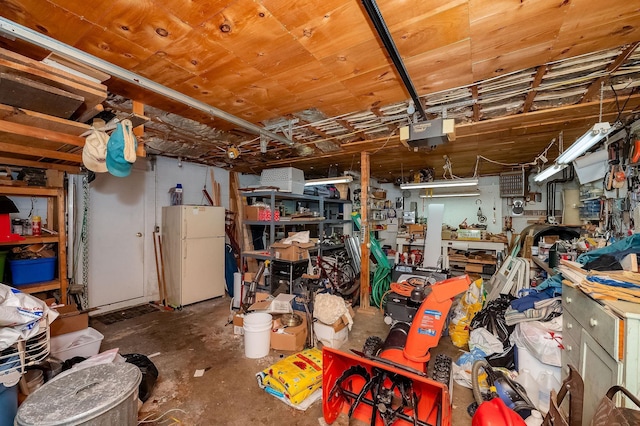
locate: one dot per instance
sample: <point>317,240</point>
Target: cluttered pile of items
<point>316,314</point>
<point>520,334</point>
<point>49,347</point>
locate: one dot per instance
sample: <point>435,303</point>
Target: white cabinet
<point>607,334</point>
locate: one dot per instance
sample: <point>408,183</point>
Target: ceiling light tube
<point>549,171</point>
<point>328,181</point>
<point>453,194</point>
<point>585,142</point>
<point>450,183</point>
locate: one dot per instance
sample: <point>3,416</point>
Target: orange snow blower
<point>388,383</point>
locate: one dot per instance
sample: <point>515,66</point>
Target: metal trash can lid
<point>80,396</point>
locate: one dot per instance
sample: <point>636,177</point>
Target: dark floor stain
<point>125,314</point>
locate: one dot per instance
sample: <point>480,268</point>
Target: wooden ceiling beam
<point>41,134</point>
<point>39,152</point>
<point>476,107</point>
<point>316,131</point>
<point>349,127</point>
<point>540,72</point>
<point>593,88</point>
<point>39,165</point>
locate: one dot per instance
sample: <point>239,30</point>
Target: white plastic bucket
<point>257,334</point>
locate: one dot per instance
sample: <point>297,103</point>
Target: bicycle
<point>336,271</point>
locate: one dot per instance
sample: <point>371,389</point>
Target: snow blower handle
<point>428,322</point>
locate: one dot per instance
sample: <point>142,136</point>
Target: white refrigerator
<point>193,246</point>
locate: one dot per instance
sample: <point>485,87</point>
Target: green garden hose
<point>382,275</point>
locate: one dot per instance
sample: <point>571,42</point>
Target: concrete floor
<point>197,337</point>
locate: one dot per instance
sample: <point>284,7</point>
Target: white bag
<point>542,339</point>
<point>484,340</point>
<point>20,315</point>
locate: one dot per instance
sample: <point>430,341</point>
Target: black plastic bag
<point>149,374</point>
<point>491,317</point>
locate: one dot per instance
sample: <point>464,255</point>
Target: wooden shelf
<point>30,191</point>
<point>543,265</point>
<point>32,240</point>
<point>38,287</point>
<point>55,221</point>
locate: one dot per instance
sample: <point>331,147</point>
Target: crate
<point>287,179</point>
<point>83,343</point>
<point>29,271</point>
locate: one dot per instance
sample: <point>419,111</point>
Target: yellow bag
<point>296,376</point>
<point>274,384</point>
<point>469,305</point>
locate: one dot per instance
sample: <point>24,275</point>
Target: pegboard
<point>512,184</point>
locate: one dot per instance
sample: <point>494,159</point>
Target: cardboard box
<point>289,338</point>
<point>238,324</point>
<point>279,305</point>
<point>69,320</point>
<point>550,239</point>
<point>250,276</point>
<point>252,212</point>
<point>415,228</point>
<point>55,178</point>
<point>328,336</point>
<point>343,321</point>
<point>474,267</point>
<point>294,251</point>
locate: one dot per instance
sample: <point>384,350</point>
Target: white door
<point>116,240</point>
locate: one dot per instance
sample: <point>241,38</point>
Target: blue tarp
<point>618,250</point>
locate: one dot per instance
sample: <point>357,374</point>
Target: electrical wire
<point>387,141</point>
<point>403,288</point>
<point>530,163</point>
<point>615,94</point>
<point>147,420</point>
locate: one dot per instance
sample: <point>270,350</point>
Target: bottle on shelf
<point>36,226</point>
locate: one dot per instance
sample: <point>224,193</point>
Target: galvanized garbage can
<point>102,395</point>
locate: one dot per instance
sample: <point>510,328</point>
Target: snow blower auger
<point>387,383</point>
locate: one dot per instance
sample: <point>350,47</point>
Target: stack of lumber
<point>605,285</point>
<point>40,106</point>
<point>472,262</point>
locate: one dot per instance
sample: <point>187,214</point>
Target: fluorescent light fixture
<point>585,142</point>
<point>452,194</point>
<point>549,171</point>
<point>328,181</point>
<point>448,183</point>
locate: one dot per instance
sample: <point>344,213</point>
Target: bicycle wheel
<point>347,283</point>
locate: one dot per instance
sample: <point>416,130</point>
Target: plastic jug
<point>530,384</point>
<point>546,382</point>
<point>534,419</point>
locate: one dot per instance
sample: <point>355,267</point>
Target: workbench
<point>466,245</point>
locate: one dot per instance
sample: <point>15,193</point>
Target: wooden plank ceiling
<point>513,74</point>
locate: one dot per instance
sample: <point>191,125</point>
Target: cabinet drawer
<point>570,327</point>
<point>600,324</point>
<point>571,352</point>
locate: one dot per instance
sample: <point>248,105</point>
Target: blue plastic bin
<point>29,271</point>
<point>8,404</point>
